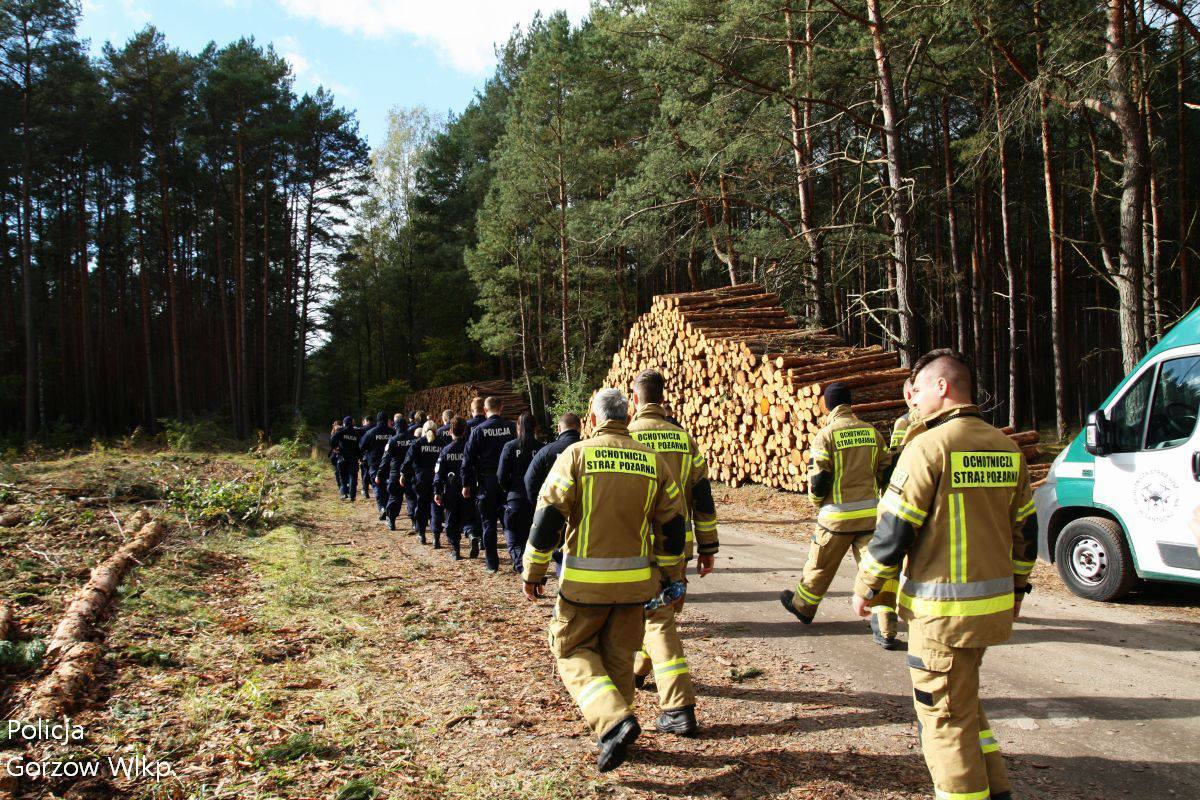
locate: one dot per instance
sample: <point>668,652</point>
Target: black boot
<point>679,721</point>
<point>785,599</point>
<point>886,642</point>
<point>437,541</point>
<point>383,513</point>
<point>614,745</point>
<point>456,555</point>
<point>391,523</point>
<point>421,537</point>
<point>474,547</point>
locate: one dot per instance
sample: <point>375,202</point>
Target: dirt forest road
<point>1090,696</point>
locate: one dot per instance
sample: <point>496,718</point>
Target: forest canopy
<point>181,234</point>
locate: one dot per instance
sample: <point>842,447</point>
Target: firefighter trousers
<point>824,557</point>
<point>959,746</point>
<point>594,647</point>
<point>662,652</point>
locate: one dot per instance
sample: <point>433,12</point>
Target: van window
<point>1128,416</point>
<point>1176,403</point>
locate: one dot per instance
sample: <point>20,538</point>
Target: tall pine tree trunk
<point>1133,184</point>
<point>897,204</point>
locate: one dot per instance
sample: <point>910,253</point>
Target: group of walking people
<point>940,520</point>
<point>463,480</point>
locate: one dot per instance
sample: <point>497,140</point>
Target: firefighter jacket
<point>650,427</point>
<point>847,459</point>
<point>958,506</point>
<point>616,496</point>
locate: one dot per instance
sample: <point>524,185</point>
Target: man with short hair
<point>958,516</point>
<point>481,458</point>
<point>478,417</point>
<point>663,648</point>
<point>612,494</point>
<point>847,461</point>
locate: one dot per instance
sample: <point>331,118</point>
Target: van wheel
<point>1093,559</point>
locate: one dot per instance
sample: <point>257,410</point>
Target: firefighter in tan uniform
<point>616,498</point>
<point>906,427</point>
<point>959,508</point>
<point>662,649</point>
<point>847,459</point>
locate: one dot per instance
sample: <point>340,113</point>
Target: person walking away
<point>616,498</point>
<point>391,467</point>
<point>447,485</point>
<point>364,468</point>
<point>662,649</point>
<point>478,417</point>
<point>333,455</point>
<point>481,459</point>
<point>372,444</point>
<point>847,460</point>
<point>417,473</point>
<point>345,441</point>
<point>958,517</point>
<point>569,426</point>
<point>437,517</point>
<point>518,510</point>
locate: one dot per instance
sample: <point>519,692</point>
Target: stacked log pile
<point>746,380</point>
<point>457,397</point>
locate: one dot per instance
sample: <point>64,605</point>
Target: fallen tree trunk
<point>94,596</point>
<point>76,656</point>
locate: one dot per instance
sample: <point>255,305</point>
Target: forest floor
<point>301,650</point>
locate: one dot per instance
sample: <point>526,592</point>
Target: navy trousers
<point>518,517</point>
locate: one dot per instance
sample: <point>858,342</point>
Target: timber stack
<point>457,397</point>
<point>746,380</point>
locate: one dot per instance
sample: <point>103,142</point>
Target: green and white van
<point>1118,502</point>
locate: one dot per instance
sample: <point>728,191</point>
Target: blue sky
<point>373,54</point>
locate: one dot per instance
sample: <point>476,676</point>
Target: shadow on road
<point>1150,635</point>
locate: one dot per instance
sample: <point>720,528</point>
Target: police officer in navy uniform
<point>477,417</point>
<point>390,470</point>
<point>470,514</point>
<point>418,422</point>
<point>438,517</point>
<point>363,467</point>
<point>345,442</point>
<point>518,510</point>
<point>447,485</point>
<point>535,475</point>
<point>372,444</point>
<point>481,459</point>
<point>417,473</point>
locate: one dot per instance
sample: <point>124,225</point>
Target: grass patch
<point>296,747</point>
<point>358,789</point>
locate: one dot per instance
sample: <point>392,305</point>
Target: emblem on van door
<point>1156,495</point>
